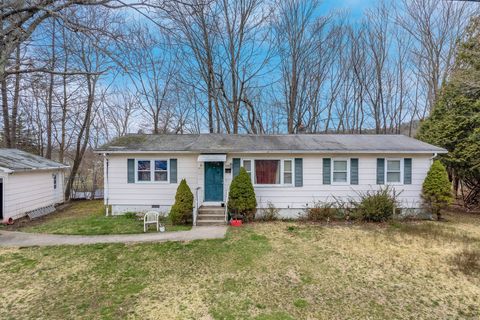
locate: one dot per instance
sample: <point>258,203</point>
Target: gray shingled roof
<point>17,160</point>
<point>225,143</point>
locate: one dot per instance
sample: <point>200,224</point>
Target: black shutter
<point>407,171</point>
<point>380,171</point>
<point>131,170</point>
<point>327,169</point>
<point>298,172</point>
<point>353,171</point>
<point>173,170</point>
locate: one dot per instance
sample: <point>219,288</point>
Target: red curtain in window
<point>267,171</point>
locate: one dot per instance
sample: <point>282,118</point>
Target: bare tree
<point>193,26</point>
<point>436,26</point>
<point>152,69</point>
<point>117,112</point>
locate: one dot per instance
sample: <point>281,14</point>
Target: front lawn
<point>281,270</point>
<point>88,218</point>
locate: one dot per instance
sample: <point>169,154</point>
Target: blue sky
<point>356,7</point>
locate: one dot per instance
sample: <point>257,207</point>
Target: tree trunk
<point>6,115</point>
<point>48,153</point>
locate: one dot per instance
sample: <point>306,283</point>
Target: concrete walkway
<point>24,239</point>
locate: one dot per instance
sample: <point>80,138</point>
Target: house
<point>290,171</point>
<point>30,184</point>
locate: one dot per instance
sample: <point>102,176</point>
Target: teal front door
<point>214,181</point>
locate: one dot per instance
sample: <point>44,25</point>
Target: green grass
<point>278,270</point>
<point>88,218</point>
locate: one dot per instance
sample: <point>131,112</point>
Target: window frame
<point>292,172</point>
<point>251,166</point>
<point>400,182</point>
<point>332,171</point>
<point>152,171</point>
<point>282,172</point>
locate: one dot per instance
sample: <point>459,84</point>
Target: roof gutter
<point>269,151</point>
<point>37,169</point>
<point>6,170</point>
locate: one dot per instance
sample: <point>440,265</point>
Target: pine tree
<point>436,190</point>
<point>182,209</point>
<point>455,121</point>
<point>241,197</point>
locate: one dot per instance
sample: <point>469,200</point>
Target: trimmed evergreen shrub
<point>182,209</point>
<point>241,197</point>
<point>436,190</point>
<point>377,206</point>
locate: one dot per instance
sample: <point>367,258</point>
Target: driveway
<point>24,239</point>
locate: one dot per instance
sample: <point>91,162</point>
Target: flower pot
<point>161,229</point>
<point>235,223</point>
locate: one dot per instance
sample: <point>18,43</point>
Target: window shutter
<point>298,172</point>
<point>131,170</point>
<point>353,171</point>
<point>407,171</point>
<point>380,171</point>
<point>235,166</point>
<point>173,170</point>
<point>327,170</point>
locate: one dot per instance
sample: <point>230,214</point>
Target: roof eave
<point>36,169</point>
<point>271,151</point>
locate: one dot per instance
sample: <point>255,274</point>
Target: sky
<point>356,7</point>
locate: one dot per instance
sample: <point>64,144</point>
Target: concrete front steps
<point>211,216</point>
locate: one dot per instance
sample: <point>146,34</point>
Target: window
<point>152,170</point>
<point>247,164</point>
<point>161,173</point>
<point>287,171</point>
<point>267,171</point>
<point>340,171</point>
<point>144,171</point>
<point>393,171</point>
<point>54,176</point>
<point>270,171</point>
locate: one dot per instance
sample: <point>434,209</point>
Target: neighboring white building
<point>29,184</point>
<point>290,171</point>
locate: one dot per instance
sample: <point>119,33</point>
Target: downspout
<point>106,183</point>
<point>434,156</point>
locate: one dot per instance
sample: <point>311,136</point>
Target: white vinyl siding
<point>27,191</point>
<point>283,196</point>
<point>290,197</point>
<point>148,194</point>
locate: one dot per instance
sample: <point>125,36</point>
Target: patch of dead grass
<point>467,261</point>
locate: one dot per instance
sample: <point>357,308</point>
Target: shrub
<point>241,196</point>
<point>182,209</point>
<point>270,213</point>
<point>130,215</point>
<point>320,211</point>
<point>436,190</point>
<point>376,206</point>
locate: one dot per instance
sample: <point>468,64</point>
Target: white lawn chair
<point>151,217</point>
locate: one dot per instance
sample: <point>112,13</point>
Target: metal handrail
<point>195,208</point>
<point>226,207</point>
